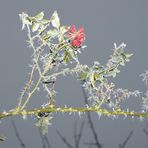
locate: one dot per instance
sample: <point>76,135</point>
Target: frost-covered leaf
<point>51,34</point>
<point>83,75</point>
<point>72,54</point>
<point>44,21</point>
<point>39,16</point>
<point>2,138</point>
<point>128,55</point>
<point>25,21</point>
<point>122,63</point>
<point>113,73</point>
<point>55,20</point>
<point>66,57</point>
<point>35,27</point>
<point>119,50</point>
<point>116,59</point>
<point>145,103</point>
<point>43,123</point>
<point>92,79</point>
<point>63,29</point>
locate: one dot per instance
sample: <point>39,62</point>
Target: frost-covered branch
<point>55,53</point>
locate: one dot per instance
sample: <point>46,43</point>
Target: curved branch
<point>100,111</point>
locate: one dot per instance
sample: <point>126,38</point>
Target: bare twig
<point>147,125</point>
<point>17,134</point>
<point>42,138</point>
<point>126,140</point>
<point>146,132</point>
<point>47,141</point>
<point>90,121</point>
<point>77,137</point>
<point>75,132</point>
<point>90,143</point>
<point>64,140</point>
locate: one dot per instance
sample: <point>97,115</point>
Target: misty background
<point>105,22</point>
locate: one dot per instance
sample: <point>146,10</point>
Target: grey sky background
<point>105,22</point>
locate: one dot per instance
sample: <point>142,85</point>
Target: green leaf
<point>39,16</point>
<point>55,20</point>
<point>35,26</point>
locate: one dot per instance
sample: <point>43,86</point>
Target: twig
<point>43,140</point>
<point>90,143</point>
<point>64,140</point>
<point>35,65</point>
<point>49,109</point>
<point>147,125</point>
<point>47,141</point>
<point>126,140</point>
<point>17,134</point>
<point>77,137</point>
<point>75,132</point>
<point>146,132</point>
<point>90,121</point>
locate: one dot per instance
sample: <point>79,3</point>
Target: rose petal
<point>76,43</point>
<point>81,30</point>
<point>72,29</point>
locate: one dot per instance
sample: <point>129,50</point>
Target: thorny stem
<point>38,82</point>
<point>32,92</point>
<point>36,65</point>
<point>73,110</point>
<point>28,84</point>
<point>90,119</point>
<point>47,67</point>
<point>38,68</point>
<point>42,76</point>
<point>33,67</point>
